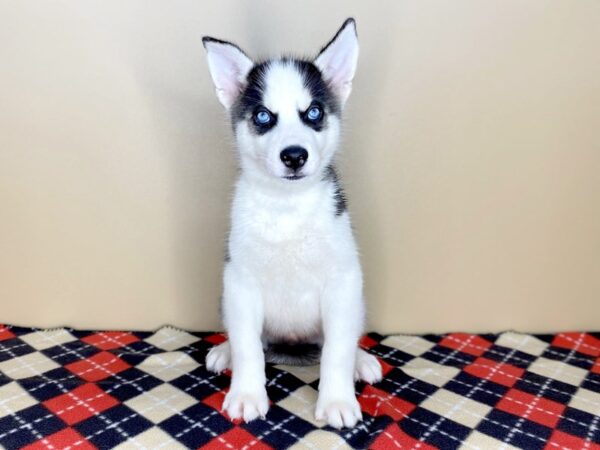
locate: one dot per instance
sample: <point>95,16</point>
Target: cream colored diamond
<point>168,366</point>
<point>480,441</point>
<point>522,342</point>
<point>26,366</point>
<point>586,400</point>
<point>308,374</point>
<point>14,398</point>
<point>319,439</point>
<point>170,339</point>
<point>456,407</point>
<point>302,403</point>
<point>429,371</point>
<point>161,402</point>
<point>43,339</point>
<point>413,345</point>
<point>154,438</point>
<point>558,370</point>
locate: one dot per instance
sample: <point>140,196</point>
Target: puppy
<point>292,281</point>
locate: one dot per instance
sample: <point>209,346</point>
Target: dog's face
<point>285,112</point>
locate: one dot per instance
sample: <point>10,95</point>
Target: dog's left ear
<point>337,60</point>
<point>229,67</point>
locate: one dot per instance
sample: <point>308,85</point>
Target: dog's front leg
<point>243,317</point>
<point>342,313</point>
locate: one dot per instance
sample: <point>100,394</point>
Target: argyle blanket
<point>70,389</point>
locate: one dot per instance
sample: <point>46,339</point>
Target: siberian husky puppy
<point>292,282</point>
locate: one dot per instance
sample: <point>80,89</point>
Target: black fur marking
<point>251,99</point>
<point>318,87</point>
<point>339,196</point>
<point>301,354</point>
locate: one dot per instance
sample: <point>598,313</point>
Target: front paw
<point>246,405</point>
<point>338,412</point>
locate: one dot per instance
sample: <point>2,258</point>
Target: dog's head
<point>285,112</point>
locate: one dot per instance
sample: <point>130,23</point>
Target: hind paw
<point>367,367</point>
<point>219,358</point>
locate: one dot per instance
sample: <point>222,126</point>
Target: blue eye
<point>314,113</point>
<point>263,117</point>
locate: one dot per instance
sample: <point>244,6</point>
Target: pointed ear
<point>228,66</point>
<point>337,60</point>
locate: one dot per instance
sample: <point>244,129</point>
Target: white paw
<point>219,358</point>
<point>368,368</point>
<point>338,413</point>
<point>246,405</point>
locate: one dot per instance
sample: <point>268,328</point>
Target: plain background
<point>471,159</point>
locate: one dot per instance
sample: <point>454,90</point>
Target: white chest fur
<point>291,243</point>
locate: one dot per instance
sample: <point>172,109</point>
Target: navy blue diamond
<point>592,382</point>
<point>113,426</point>
<point>509,356</point>
<point>37,420</point>
<point>70,352</point>
<point>14,347</point>
<point>434,429</point>
<point>130,383</point>
<point>196,425</point>
<point>448,357</point>
<point>275,430</point>
<point>55,382</point>
<point>569,357</point>
<point>523,433</point>
<point>478,389</point>
<point>403,386</point>
<point>535,384</point>
<point>281,383</point>
<point>579,423</point>
<point>199,383</point>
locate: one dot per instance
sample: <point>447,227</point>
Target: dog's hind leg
<point>219,358</point>
<point>367,367</point>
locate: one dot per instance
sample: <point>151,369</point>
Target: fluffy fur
<point>292,278</point>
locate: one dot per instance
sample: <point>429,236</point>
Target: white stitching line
<point>579,343</point>
<point>435,426</point>
<point>564,359</point>
<point>100,415</point>
<point>495,422</point>
<point>491,392</point>
<point>509,335</point>
<point>487,391</point>
<point>473,364</point>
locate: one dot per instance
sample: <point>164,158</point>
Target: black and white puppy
<point>292,274</point>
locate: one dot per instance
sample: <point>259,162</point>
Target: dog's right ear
<point>228,66</point>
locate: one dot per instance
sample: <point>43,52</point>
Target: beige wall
<point>472,159</point>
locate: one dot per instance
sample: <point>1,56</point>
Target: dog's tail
<point>301,354</point>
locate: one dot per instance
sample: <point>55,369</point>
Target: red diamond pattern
<point>423,401</point>
<point>466,343</point>
<point>5,333</point>
<point>378,403</point>
<point>580,342</point>
<point>236,438</point>
<point>80,403</point>
<point>109,340</point>
<point>100,366</point>
<point>538,409</point>
<point>67,438</point>
<point>501,373</point>
<point>394,438</point>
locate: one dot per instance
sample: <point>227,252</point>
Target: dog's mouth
<point>294,177</point>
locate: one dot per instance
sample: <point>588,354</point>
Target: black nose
<point>294,157</point>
